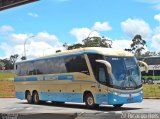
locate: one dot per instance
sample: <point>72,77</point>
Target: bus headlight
<point>141,92</point>
<point>115,100</point>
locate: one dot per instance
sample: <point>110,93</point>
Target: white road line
<point>118,112</point>
<point>106,112</point>
<point>13,108</point>
<point>28,108</point>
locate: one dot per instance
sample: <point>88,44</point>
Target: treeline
<point>8,64</point>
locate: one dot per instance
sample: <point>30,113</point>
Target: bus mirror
<point>107,64</point>
<point>145,65</point>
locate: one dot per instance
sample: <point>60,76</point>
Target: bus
<point>153,75</point>
<point>92,75</point>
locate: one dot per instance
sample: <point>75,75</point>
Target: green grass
<point>6,76</point>
<point>6,85</point>
<point>151,90</point>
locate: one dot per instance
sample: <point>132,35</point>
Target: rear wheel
<point>118,105</point>
<point>29,97</point>
<point>36,98</point>
<point>89,101</point>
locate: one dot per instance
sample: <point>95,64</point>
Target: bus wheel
<point>36,98</point>
<point>150,81</point>
<point>29,97</point>
<point>89,101</point>
<point>143,81</point>
<point>118,105</point>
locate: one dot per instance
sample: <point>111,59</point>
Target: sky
<point>47,24</point>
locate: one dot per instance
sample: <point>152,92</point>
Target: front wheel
<point>89,101</point>
<point>118,105</point>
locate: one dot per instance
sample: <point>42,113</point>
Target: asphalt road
<point>19,109</point>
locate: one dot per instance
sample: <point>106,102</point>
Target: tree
<point>137,45</point>
<point>7,64</point>
<point>13,58</point>
<point>1,65</point>
<point>75,46</point>
<point>91,42</point>
<point>97,42</point>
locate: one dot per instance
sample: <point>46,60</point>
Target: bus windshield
<point>125,72</point>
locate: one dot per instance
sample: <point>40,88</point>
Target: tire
<point>118,105</point>
<point>89,101</point>
<point>36,98</point>
<point>143,81</point>
<point>150,81</point>
<point>29,98</point>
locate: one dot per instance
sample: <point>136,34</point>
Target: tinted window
<point>76,64</point>
<point>50,66</point>
<point>54,65</point>
<point>102,75</point>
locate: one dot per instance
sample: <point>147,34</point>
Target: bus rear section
<point>90,76</point>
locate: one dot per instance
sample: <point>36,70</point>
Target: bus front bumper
<point>114,98</point>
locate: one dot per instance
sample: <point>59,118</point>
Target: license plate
<point>130,100</point>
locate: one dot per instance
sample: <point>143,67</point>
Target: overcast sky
<point>54,22</point>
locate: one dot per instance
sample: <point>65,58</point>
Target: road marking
<point>28,108</point>
<point>13,108</point>
<point>118,112</point>
<point>106,112</point>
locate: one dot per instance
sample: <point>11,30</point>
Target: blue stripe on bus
<point>39,78</point>
<point>20,95</point>
<point>63,97</point>
<point>66,77</point>
<point>51,57</point>
<point>101,99</point>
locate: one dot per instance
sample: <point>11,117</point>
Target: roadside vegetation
<point>6,76</point>
<point>151,90</point>
<point>6,85</point>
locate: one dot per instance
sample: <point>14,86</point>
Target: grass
<point>6,85</point>
<point>6,75</point>
<point>7,88</point>
<point>151,90</point>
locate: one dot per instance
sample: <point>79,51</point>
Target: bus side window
<point>102,76</point>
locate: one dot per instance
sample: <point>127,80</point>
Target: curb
<point>8,97</point>
<point>151,98</point>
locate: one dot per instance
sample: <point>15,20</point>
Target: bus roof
<point>93,50</point>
